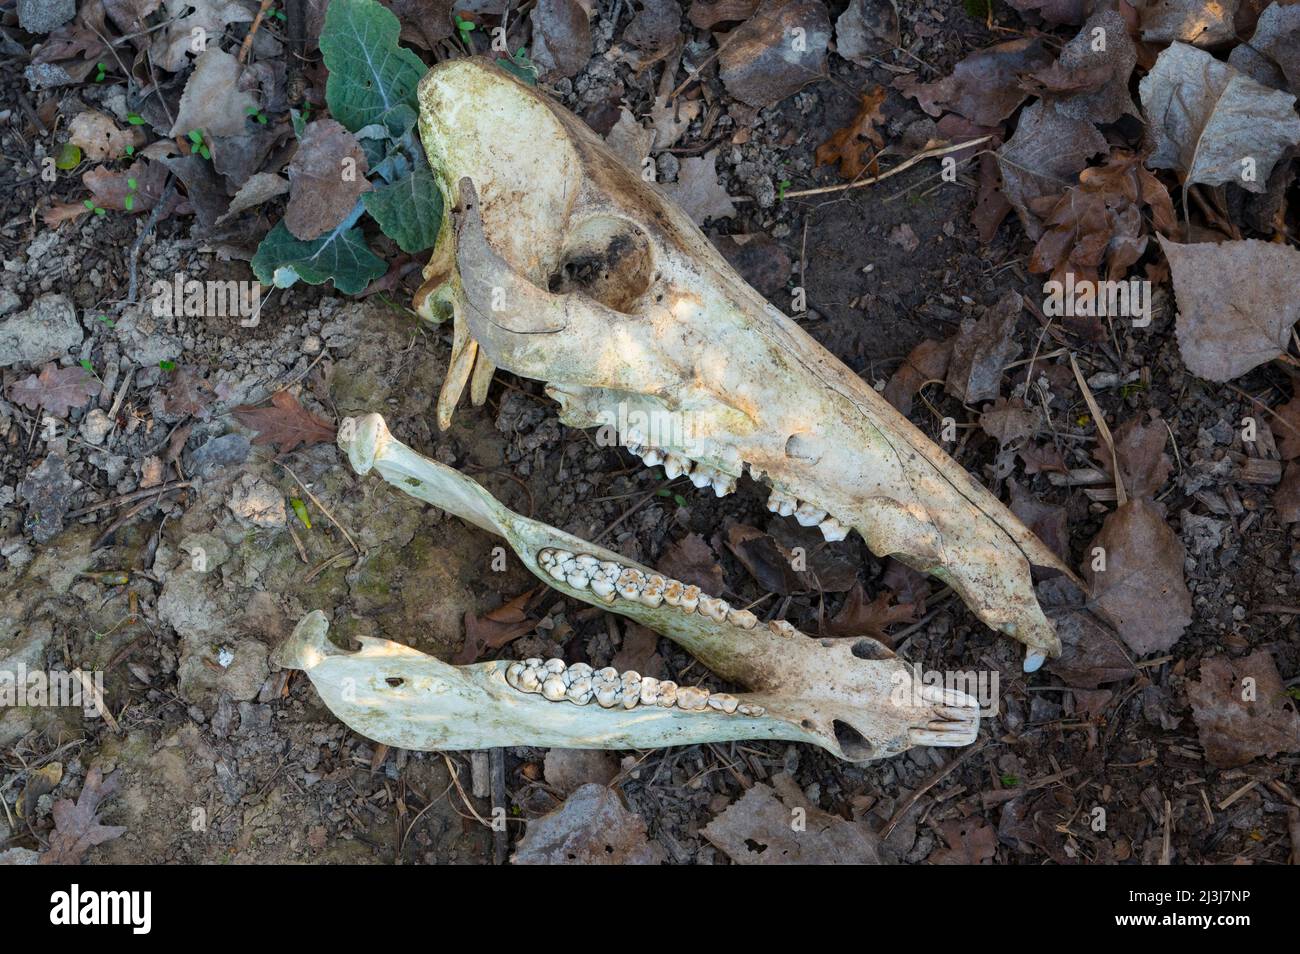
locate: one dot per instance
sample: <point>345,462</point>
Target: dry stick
<point>500,838</point>
<point>324,509</point>
<point>1120,496</point>
<point>247,45</point>
<point>127,498</point>
<point>862,183</point>
<point>928,784</point>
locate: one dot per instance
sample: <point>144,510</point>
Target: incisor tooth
<point>808,515</point>
<point>778,502</point>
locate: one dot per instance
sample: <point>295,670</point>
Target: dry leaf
<point>46,491</point>
<point>691,560</point>
<point>1286,495</point>
<point>326,177</point>
<point>706,15</point>
<point>1143,464</point>
<point>756,830</point>
<point>765,560</point>
<point>495,629</point>
<point>61,212</point>
<point>1091,653</point>
<point>426,23</point>
<point>1048,148</point>
<point>1242,710</point>
<point>561,38</point>
<point>1287,429</point>
<point>697,190</point>
<point>259,188</point>
<point>927,362</point>
<point>1010,421</point>
<point>982,87</point>
<point>629,140</point>
<point>142,182</point>
<point>188,394</point>
<point>1090,80</point>
<point>654,32</point>
<point>99,137</point>
<point>1272,56</point>
<point>849,146</point>
<point>1141,590</point>
<point>866,29</point>
<point>213,101</point>
<point>758,63</point>
<point>175,42</point>
<point>1047,521</point>
<point>56,390</point>
<point>1054,11</point>
<point>76,825</point>
<point>857,617</point>
<point>971,841</point>
<point>591,828</point>
<point>1203,22</point>
<point>1211,123</point>
<point>286,424</point>
<point>982,349</point>
<point>1236,304</point>
<point>567,770</point>
<point>671,120</point>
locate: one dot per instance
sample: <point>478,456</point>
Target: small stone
<point>95,426</point>
<point>44,332</point>
<point>255,502</point>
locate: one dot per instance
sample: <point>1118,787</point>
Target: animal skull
<point>562,265</point>
<point>850,696</point>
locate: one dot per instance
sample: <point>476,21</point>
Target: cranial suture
<point>562,265</point>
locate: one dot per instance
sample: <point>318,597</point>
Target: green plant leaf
<point>410,210</point>
<point>341,255</point>
<point>69,156</point>
<point>370,75</point>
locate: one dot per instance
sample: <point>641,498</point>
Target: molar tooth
<point>652,456</point>
<point>513,672</point>
<point>675,466</point>
<point>723,484</point>
<point>529,681</point>
<point>783,504</point>
<point>692,698</point>
<point>608,675</point>
<point>579,692</point>
<point>612,570</point>
<point>603,588</point>
<point>554,665</point>
<point>577,579</point>
<point>723,702</point>
<point>808,515</point>
<point>580,671</point>
<point>742,618</point>
<point>714,609</point>
<point>606,697</point>
<point>782,628</point>
<point>749,709</point>
<point>649,691</point>
<point>556,571</point>
<point>673,592</point>
<point>631,689</point>
<point>667,694</point>
<point>554,688</point>
<point>690,598</point>
<point>587,563</point>
<point>532,662</point>
<point>833,530</point>
<point>702,476</point>
<point>653,593</point>
<point>546,558</point>
<point>630,583</point>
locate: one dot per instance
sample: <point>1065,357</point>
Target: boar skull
<point>561,264</point>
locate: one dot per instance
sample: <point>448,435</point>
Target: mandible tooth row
<point>581,684</point>
<point>808,515</point>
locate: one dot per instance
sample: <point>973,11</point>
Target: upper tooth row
<point>807,515</point>
<point>611,581</point>
<point>675,466</point>
<point>580,684</point>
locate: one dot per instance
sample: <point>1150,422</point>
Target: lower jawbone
<point>562,265</point>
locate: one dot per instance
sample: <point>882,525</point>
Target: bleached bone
<point>561,264</point>
<point>850,696</point>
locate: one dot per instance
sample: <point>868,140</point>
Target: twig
<point>324,509</point>
<point>1120,496</point>
<point>149,226</point>
<point>928,784</point>
<point>247,45</point>
<point>862,183</point>
<point>127,498</point>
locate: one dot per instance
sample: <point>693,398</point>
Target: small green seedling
<point>128,202</point>
<point>780,189</point>
<point>197,144</point>
<point>134,119</point>
<point>167,365</point>
<point>90,204</point>
<point>100,72</point>
<point>300,510</point>
<point>254,113</point>
<point>466,27</point>
<point>106,320</point>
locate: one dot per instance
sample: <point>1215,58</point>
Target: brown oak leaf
<point>76,824</point>
<point>857,617</point>
<point>286,424</point>
<point>849,146</point>
<point>495,629</point>
<point>56,390</point>
<point>1242,710</point>
<point>327,175</point>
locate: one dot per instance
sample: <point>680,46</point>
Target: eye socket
<point>607,259</point>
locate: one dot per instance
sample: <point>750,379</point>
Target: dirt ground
<point>221,758</point>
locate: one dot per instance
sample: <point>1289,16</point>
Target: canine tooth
<point>649,691</point>
<point>652,456</point>
<point>690,598</point>
<point>723,484</point>
<point>667,694</point>
<point>653,593</point>
<point>723,702</point>
<point>554,688</point>
<point>749,709</point>
<point>1033,660</point>
<point>630,582</point>
<point>702,476</point>
<point>603,588</point>
<point>513,672</point>
<point>833,530</point>
<point>782,628</point>
<point>714,609</point>
<point>808,515</point>
<point>675,466</point>
<point>673,592</point>
<point>692,698</point>
<point>577,579</point>
<point>742,618</point>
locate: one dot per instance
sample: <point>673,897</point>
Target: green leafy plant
<point>134,119</point>
<point>98,210</point>
<point>128,201</point>
<point>100,72</point>
<point>254,113</point>
<point>167,365</point>
<point>371,92</point>
<point>195,136</point>
<point>465,28</point>
<point>519,65</point>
